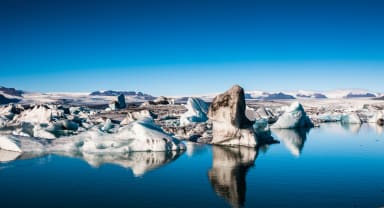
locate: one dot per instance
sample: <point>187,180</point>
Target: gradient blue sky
<point>191,47</point>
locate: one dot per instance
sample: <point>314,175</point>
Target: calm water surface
<point>331,166</point>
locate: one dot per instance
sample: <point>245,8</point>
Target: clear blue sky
<point>191,47</point>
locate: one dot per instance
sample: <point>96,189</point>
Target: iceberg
<point>107,126</point>
<point>260,113</point>
<point>133,116</point>
<point>121,101</point>
<point>46,121</point>
<point>161,101</point>
<point>230,126</point>
<point>41,132</point>
<point>197,112</point>
<point>351,118</point>
<point>39,114</point>
<point>328,117</point>
<point>375,118</point>
<point>142,135</point>
<point>293,117</point>
<point>7,112</point>
<point>117,104</point>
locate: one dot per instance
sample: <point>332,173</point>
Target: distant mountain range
<point>10,95</point>
<point>11,91</point>
<point>125,93</point>
<point>268,96</point>
<point>301,94</point>
<point>379,98</point>
<point>314,95</point>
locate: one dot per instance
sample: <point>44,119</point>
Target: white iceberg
<point>7,111</point>
<point>260,113</point>
<point>136,115</point>
<point>39,131</point>
<point>197,111</point>
<point>142,135</point>
<point>39,114</point>
<point>351,118</point>
<point>328,117</point>
<point>376,116</point>
<point>266,113</point>
<point>50,121</point>
<point>107,126</point>
<point>293,117</point>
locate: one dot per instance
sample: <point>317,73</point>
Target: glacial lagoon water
<point>330,166</point>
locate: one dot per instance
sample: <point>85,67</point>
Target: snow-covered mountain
<point>307,94</point>
<point>351,93</point>
<point>11,92</point>
<point>125,93</point>
<point>380,98</point>
<point>10,95</point>
<point>267,95</point>
<point>334,94</point>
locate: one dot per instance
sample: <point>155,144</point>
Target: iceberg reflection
<point>195,148</point>
<point>6,156</point>
<point>378,129</point>
<point>353,128</point>
<point>293,139</point>
<point>229,168</point>
<point>138,162</point>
